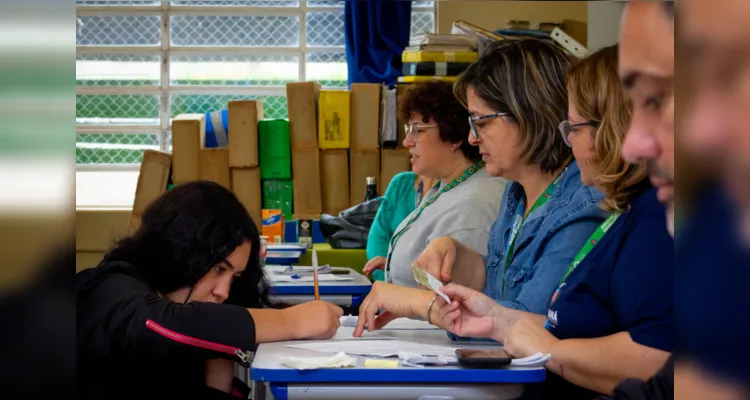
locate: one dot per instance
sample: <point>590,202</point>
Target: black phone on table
<point>482,358</point>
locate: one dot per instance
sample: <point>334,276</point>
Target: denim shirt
<point>546,244</point>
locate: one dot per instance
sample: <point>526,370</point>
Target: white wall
<point>603,23</point>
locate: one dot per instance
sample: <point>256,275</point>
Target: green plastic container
<point>278,194</point>
<point>275,149</point>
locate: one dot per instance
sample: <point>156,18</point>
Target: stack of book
<point>437,57</point>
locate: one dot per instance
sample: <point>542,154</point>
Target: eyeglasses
<point>414,128</point>
<point>473,121</point>
<point>566,128</point>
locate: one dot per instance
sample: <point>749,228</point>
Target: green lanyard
<point>590,243</point>
<point>519,220</point>
<point>473,169</point>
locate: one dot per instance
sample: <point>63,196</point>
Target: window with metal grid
<point>140,63</point>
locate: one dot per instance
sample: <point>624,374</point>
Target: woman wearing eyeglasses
<point>464,201</point>
<point>516,95</point>
<point>611,315</point>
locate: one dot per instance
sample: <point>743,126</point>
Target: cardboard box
<point>365,116</point>
<point>246,186</point>
<point>152,179</point>
<point>334,176</point>
<point>188,138</point>
<point>306,181</point>
<point>392,162</point>
<point>243,132</point>
<point>214,166</point>
<point>400,89</point>
<point>334,119</point>
<point>364,163</point>
<point>302,104</point>
<point>134,223</point>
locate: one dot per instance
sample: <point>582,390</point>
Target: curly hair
<point>435,100</point>
<point>525,78</point>
<point>597,94</point>
<point>187,231</point>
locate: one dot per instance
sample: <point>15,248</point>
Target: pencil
<point>315,274</point>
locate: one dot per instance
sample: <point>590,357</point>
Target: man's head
<point>718,55</point>
<point>647,73</point>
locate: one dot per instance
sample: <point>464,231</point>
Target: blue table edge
<point>308,289</point>
<point>398,375</point>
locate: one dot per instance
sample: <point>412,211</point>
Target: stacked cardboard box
<point>365,152</point>
<point>244,116</point>
<point>302,101</point>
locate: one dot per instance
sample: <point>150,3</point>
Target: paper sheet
<point>276,277</point>
<point>396,324</point>
<point>340,360</point>
<point>347,332</point>
<point>376,348</point>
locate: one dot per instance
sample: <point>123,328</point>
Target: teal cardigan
<point>398,203</point>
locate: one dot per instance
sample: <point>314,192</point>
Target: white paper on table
<point>274,277</point>
<point>536,360</point>
<point>347,332</point>
<point>340,360</point>
<point>376,348</point>
<point>396,324</point>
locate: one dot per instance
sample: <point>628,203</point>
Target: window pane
<point>233,70</point>
<point>126,30</point>
<point>246,3</point>
<point>118,3</point>
<point>325,3</point>
<point>325,29</point>
<point>235,31</point>
<point>422,22</point>
<point>117,109</point>
<point>328,69</point>
<point>422,3</point>
<point>117,70</point>
<point>273,106</point>
<point>107,148</point>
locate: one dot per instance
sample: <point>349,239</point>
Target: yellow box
<point>334,117</point>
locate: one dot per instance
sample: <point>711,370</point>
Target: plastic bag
<point>350,229</point>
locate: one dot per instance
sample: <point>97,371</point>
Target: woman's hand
<point>528,337</point>
<point>398,301</point>
<point>372,265</point>
<point>220,374</point>
<point>314,320</point>
<point>470,314</point>
<point>438,258</point>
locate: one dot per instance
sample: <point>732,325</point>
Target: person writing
<point>546,214</point>
<point>604,322</point>
<point>170,309</point>
<point>405,191</point>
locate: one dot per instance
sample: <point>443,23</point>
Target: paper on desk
<point>276,277</point>
<point>536,360</point>
<point>340,360</point>
<point>396,324</point>
<point>347,332</point>
<point>376,348</point>
<point>429,281</point>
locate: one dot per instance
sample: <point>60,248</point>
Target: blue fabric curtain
<point>376,33</point>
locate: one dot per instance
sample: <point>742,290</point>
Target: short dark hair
<point>525,78</point>
<point>435,100</point>
<point>187,231</point>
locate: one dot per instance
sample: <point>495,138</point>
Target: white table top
<point>267,367</point>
